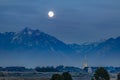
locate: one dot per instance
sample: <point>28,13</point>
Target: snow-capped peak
<point>27,31</point>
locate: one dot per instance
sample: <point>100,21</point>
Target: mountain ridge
<point>36,45</point>
<point>29,38</point>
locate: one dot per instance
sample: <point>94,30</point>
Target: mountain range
<point>28,39</point>
<point>37,45</point>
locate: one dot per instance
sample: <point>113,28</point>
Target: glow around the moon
<point>51,14</point>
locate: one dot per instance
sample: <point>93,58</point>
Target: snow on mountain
<point>40,45</point>
<point>34,39</point>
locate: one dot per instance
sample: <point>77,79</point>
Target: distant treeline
<point>46,69</point>
<point>60,68</point>
<point>20,69</point>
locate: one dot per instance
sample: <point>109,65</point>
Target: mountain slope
<point>34,47</point>
<point>32,39</point>
<point>109,45</point>
<point>106,53</point>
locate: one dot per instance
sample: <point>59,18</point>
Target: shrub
<point>66,76</point>
<point>101,74</point>
<point>118,76</point>
<point>2,74</point>
<point>56,77</point>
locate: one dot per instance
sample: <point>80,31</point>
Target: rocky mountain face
<point>38,45</point>
<point>28,39</point>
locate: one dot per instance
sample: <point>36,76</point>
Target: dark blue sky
<point>75,21</point>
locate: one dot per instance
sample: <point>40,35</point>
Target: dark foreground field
<point>44,76</point>
<point>40,76</point>
<point>22,78</point>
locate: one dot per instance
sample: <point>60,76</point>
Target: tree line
<point>60,68</point>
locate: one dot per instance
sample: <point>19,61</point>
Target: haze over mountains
<point>35,48</point>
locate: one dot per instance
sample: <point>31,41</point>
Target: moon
<point>51,14</point>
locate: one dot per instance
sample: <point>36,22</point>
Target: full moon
<point>51,14</point>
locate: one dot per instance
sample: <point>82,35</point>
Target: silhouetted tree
<point>101,74</point>
<point>92,79</point>
<point>2,74</point>
<point>66,76</point>
<point>56,77</point>
<point>118,76</point>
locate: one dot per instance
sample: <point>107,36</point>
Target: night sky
<point>75,21</point>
